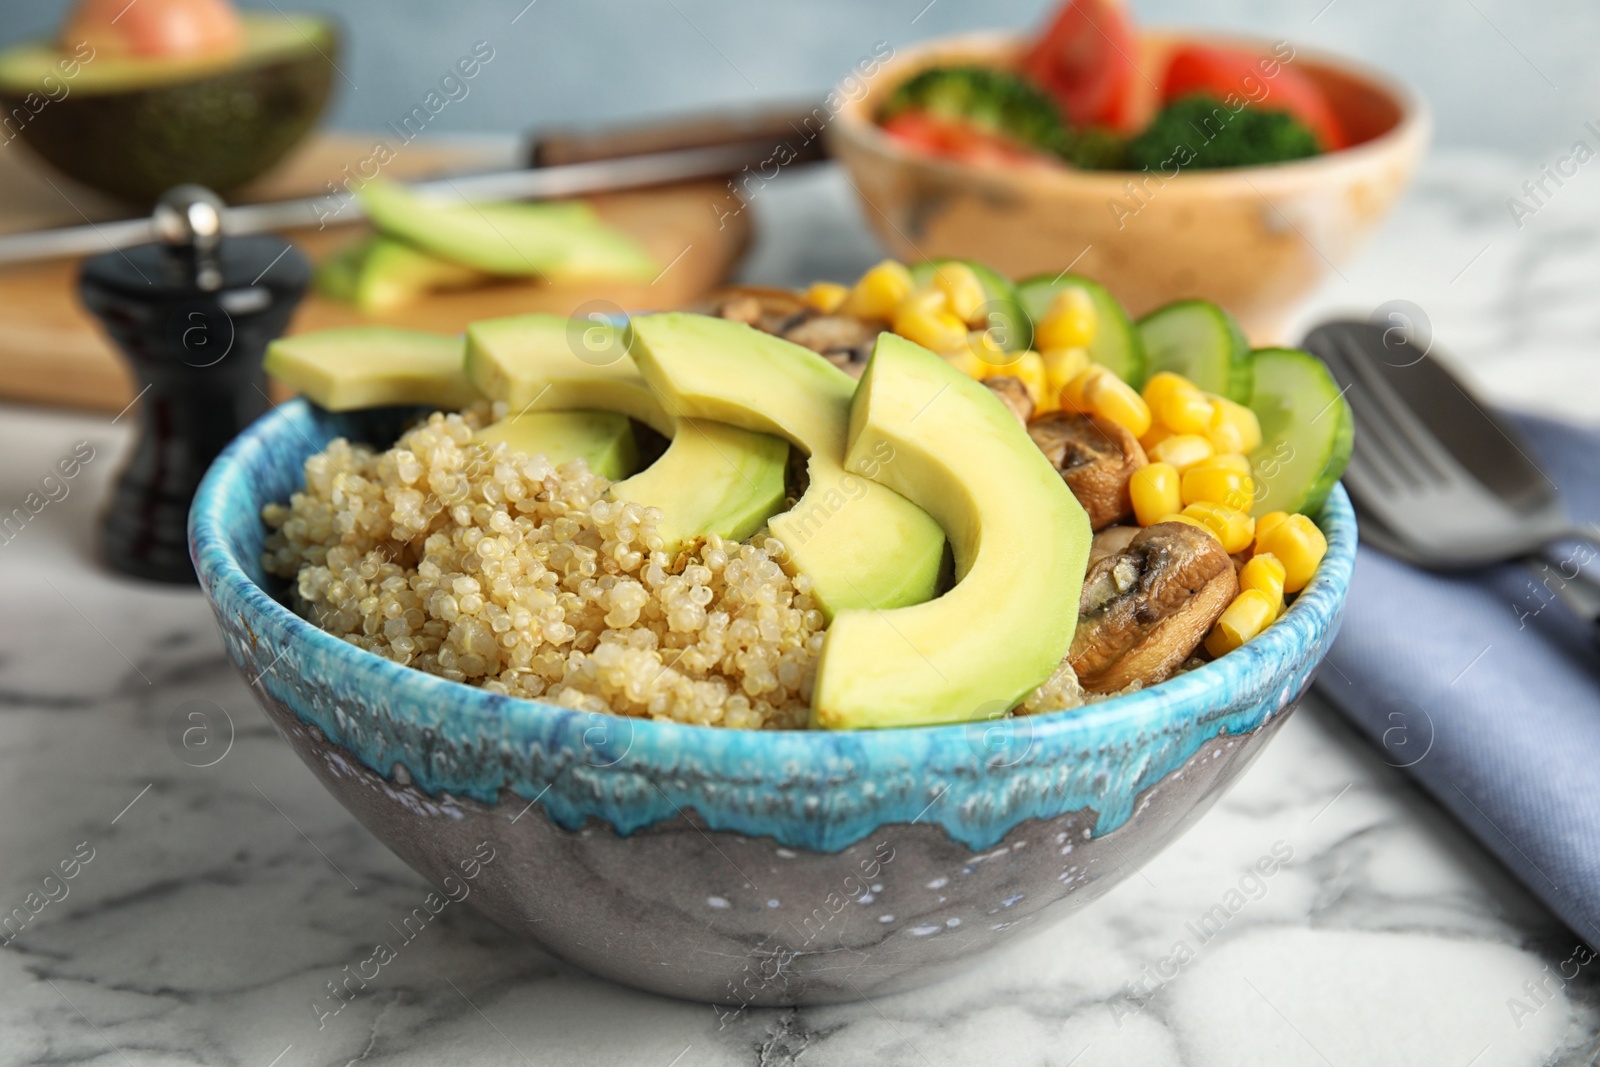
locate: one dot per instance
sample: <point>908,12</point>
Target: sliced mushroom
<point>1110,541</point>
<point>1146,608</point>
<point>1096,457</point>
<point>844,340</point>
<point>1013,394</point>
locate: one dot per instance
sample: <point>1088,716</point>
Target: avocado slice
<point>381,273</point>
<point>1020,540</point>
<point>556,241</point>
<point>136,126</point>
<point>862,545</point>
<point>372,366</point>
<point>602,439</point>
<point>712,478</point>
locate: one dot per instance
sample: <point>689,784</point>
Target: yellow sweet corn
<point>879,292</point>
<point>1154,490</point>
<point>1061,365</point>
<point>827,297</point>
<point>1029,367</point>
<point>1074,395</point>
<point>1299,546</point>
<point>1178,516</point>
<point>1069,322</point>
<point>1232,427</point>
<point>1154,436</point>
<point>1182,450</point>
<point>1248,614</point>
<point>968,362</point>
<point>1112,398</point>
<point>1265,574</point>
<point>963,292</point>
<point>1216,483</point>
<point>1160,385</point>
<point>1183,408</point>
<point>924,317</point>
<point>1235,529</point>
<point>1266,523</point>
<point>1229,461</point>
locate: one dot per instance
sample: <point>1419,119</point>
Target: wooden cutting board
<point>53,352</point>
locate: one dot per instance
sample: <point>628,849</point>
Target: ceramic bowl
<point>739,867</point>
<point>1256,240</point>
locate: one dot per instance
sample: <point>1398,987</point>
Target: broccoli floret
<point>1201,132</point>
<point>986,99</point>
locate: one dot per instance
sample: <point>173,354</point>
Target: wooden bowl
<point>1254,239</point>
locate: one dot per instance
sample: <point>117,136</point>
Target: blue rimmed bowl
<point>742,868</point>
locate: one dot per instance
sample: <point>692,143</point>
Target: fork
<point>1441,482</point>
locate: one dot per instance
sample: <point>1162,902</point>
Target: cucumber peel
<point>1117,345</point>
<point>1306,432</point>
<point>1202,342</point>
<point>1007,316</point>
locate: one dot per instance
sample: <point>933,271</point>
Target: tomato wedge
<point>950,139</point>
<point>1085,61</point>
<point>1196,68</point>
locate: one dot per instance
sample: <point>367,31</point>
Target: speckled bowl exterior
<point>736,867</point>
<point>1255,240</point>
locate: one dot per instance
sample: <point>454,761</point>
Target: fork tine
<point>1428,453</point>
<point>1374,436</point>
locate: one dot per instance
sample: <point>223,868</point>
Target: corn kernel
<point>1183,408</point>
<point>1061,365</point>
<point>879,292</point>
<point>1228,461</point>
<point>1029,367</point>
<point>1233,427</point>
<point>1154,490</point>
<point>1266,574</point>
<point>1268,522</point>
<point>1248,614</point>
<point>923,318</point>
<point>1190,520</point>
<point>1074,395</point>
<point>1069,322</point>
<point>1206,481</point>
<point>1112,398</point>
<point>962,290</point>
<point>1154,436</point>
<point>1299,546</point>
<point>1182,450</point>
<point>827,297</point>
<point>1233,528</point>
<point>1160,385</point>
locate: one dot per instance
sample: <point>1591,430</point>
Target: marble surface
<point>211,905</point>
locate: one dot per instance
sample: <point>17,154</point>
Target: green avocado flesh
<point>1020,540</point>
<point>712,478</point>
<point>136,126</point>
<point>372,366</point>
<point>602,439</point>
<point>557,241</point>
<point>861,544</point>
<point>1307,431</point>
<point>380,274</point>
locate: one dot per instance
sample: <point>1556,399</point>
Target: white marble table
<point>210,916</point>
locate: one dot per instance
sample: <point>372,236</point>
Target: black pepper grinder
<point>194,313</point>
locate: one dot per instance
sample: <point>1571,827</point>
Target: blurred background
<point>1500,74</point>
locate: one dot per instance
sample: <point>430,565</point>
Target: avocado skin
<point>220,129</point>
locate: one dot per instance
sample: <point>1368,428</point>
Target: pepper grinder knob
<point>193,313</point>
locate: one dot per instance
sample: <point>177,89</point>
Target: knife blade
<point>549,182</point>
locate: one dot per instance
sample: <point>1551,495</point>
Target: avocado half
<point>135,127</point>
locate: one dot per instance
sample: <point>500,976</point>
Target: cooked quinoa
<point>499,569</point>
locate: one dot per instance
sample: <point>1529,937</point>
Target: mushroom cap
<point>1096,458</point>
<point>1146,608</point>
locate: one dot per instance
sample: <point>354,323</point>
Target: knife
<point>562,165</point>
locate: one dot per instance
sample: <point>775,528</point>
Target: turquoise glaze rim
<point>805,789</point>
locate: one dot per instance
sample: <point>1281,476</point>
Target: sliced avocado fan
<point>861,544</point>
<point>1021,545</point>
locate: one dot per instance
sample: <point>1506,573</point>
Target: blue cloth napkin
<point>1487,689</point>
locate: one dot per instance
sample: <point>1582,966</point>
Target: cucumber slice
<point>1199,340</point>
<point>1306,431</point>
<point>1117,345</point>
<point>1013,327</point>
